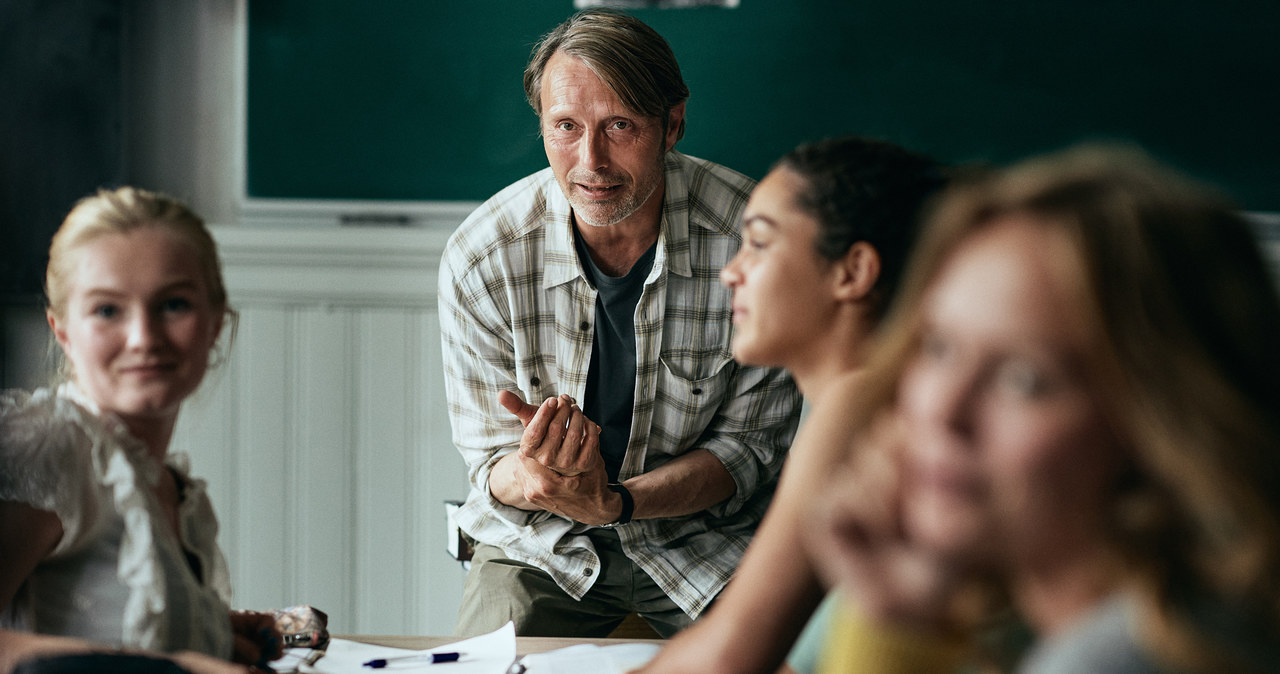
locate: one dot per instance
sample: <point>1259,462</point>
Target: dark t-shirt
<point>611,377</point>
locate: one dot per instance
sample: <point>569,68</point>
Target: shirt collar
<point>71,391</point>
<point>111,421</point>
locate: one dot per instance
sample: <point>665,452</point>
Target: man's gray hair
<point>631,58</point>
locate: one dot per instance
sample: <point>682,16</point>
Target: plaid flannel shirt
<point>516,314</point>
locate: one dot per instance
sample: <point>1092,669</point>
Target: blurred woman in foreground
<point>1079,398</point>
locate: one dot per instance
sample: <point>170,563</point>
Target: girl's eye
<point>756,236</point>
<point>105,311</point>
<point>176,304</point>
<point>1023,379</point>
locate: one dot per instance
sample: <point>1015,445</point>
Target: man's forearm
<point>685,485</point>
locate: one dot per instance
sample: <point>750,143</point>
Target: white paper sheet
<point>489,653</point>
<point>611,659</point>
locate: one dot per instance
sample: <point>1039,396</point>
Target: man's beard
<point>631,196</point>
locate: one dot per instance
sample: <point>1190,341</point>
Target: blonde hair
<point>1185,321</point>
<point>121,211</point>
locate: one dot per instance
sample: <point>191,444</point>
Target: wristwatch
<point>628,504</point>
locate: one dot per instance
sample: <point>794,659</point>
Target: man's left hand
<point>582,498</point>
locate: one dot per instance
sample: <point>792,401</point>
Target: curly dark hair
<point>866,190</point>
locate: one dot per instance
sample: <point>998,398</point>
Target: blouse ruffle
<point>59,453</point>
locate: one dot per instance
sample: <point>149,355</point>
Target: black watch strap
<point>628,503</point>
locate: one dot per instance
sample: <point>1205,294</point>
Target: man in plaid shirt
<point>635,474</point>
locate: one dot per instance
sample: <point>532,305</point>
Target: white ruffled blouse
<point>118,576</point>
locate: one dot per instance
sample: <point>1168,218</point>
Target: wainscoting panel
<point>325,437</point>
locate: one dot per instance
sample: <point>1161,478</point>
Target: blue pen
<point>426,658</point>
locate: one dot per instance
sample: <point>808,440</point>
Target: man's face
<point>607,158</point>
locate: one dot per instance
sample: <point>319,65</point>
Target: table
<point>524,645</point>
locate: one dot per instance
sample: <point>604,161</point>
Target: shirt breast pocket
<point>689,391</point>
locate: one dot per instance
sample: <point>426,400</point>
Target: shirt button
<point>584,325</point>
<point>535,381</point>
<point>588,571</point>
<point>697,391</point>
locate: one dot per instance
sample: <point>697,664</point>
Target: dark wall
<point>423,100</point>
<point>60,124</point>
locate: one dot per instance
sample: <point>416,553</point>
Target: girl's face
<point>781,290</point>
<point>138,324</point>
<point>1008,456</point>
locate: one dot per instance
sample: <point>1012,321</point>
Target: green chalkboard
<point>422,99</point>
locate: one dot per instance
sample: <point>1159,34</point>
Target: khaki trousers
<point>499,589</point>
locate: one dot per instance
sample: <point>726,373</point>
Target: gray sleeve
<point>1103,642</point>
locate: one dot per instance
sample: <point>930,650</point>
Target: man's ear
<point>675,121</point>
<point>857,272</point>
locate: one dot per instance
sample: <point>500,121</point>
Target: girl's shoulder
<point>45,442</point>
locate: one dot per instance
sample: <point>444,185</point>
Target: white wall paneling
<point>325,437</point>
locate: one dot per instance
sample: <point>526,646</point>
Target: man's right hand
<point>556,434</point>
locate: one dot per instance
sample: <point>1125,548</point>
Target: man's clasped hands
<point>558,466</point>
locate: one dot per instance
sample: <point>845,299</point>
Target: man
<point>595,280</point>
